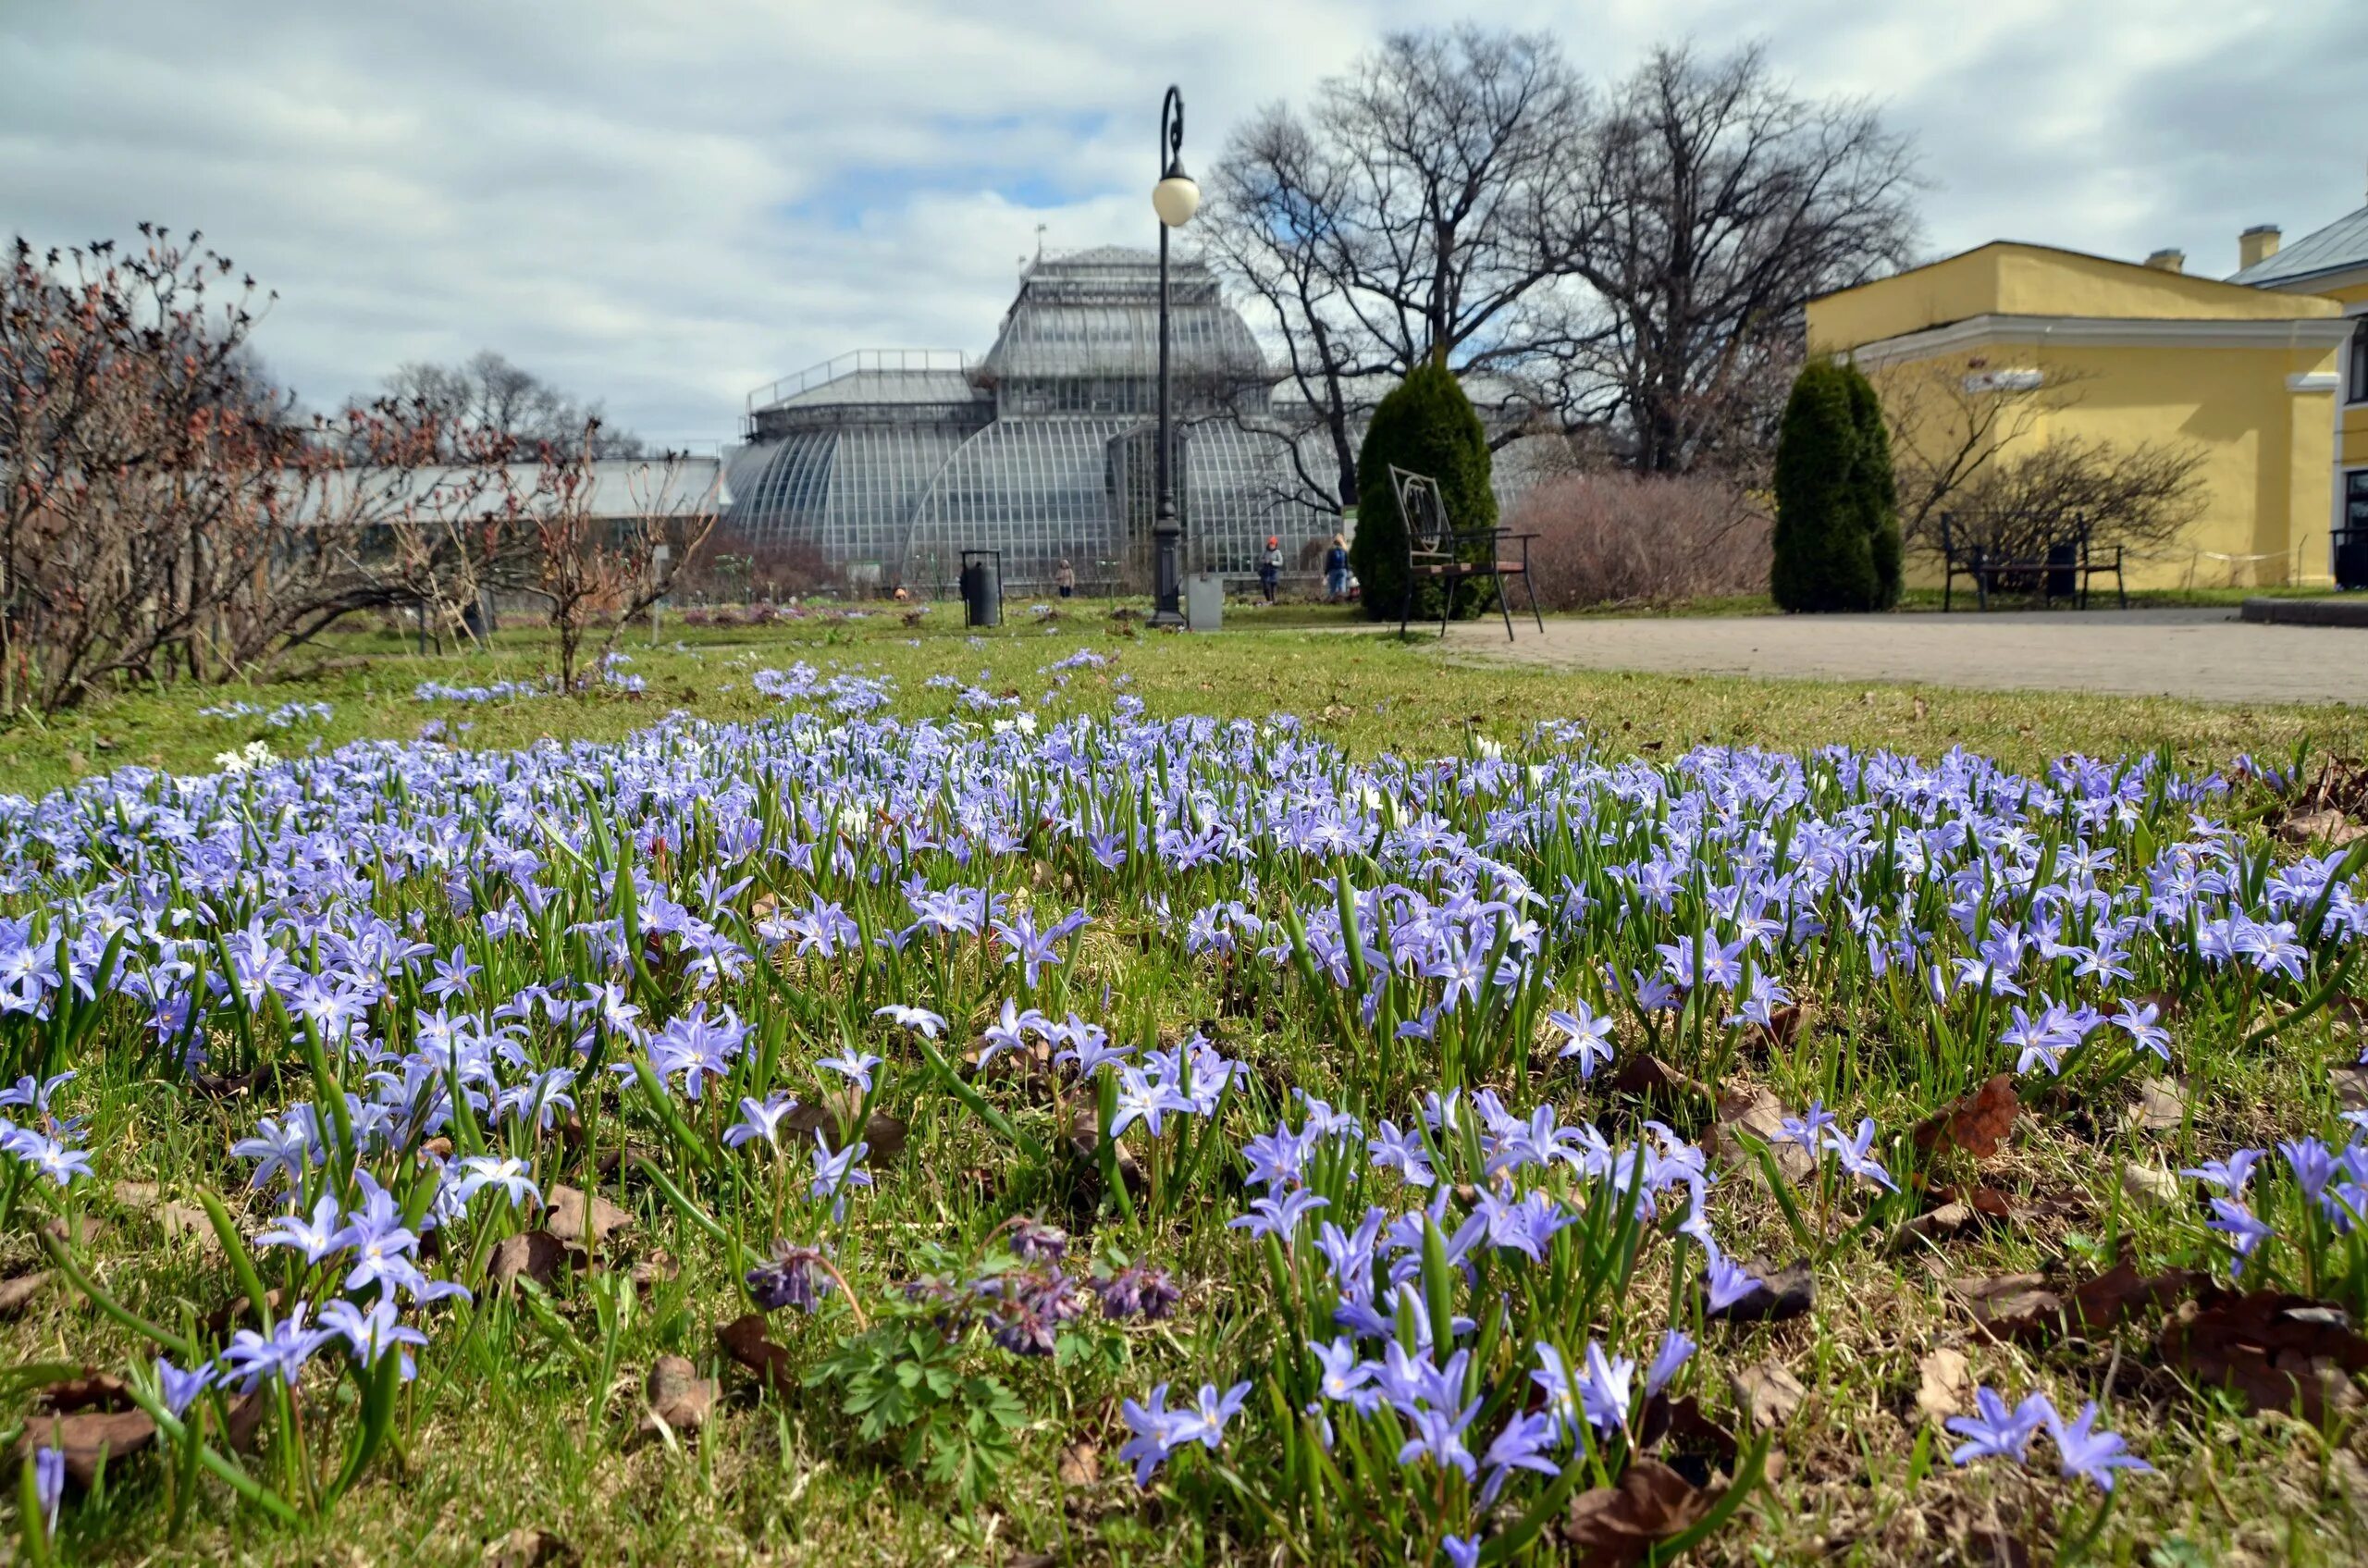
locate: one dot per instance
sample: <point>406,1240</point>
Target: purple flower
<point>1033,1241</point>
<point>1676,1347</point>
<point>790,1279</point>
<point>1158,1432</point>
<point>759,1120</point>
<point>179,1389</point>
<point>1461,1551</point>
<point>49,1485</point>
<point>928,1025</point>
<point>1808,1127</point>
<point>1855,1159</point>
<point>2090,1455</point>
<point>855,1066</point>
<point>1603,1390</point>
<point>1522,1445</point>
<point>1439,1436</point>
<point>1278,1216</point>
<point>316,1238</point>
<point>1996,1432</point>
<point>1589,1037</point>
<point>1728,1282</point>
<point>508,1174</point>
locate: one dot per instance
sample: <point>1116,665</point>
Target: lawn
<point>852,1091</point>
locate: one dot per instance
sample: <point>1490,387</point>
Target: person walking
<point>1064,579</point>
<point>1270,570</point>
<point>1336,570</point>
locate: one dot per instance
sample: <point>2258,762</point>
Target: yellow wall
<point>2268,451</point>
<point>2005,278</point>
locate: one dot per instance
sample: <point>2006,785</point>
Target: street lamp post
<point>1175,198</point>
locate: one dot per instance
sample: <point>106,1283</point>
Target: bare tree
<point>2141,497</point>
<point>487,395</point>
<point>1949,419</point>
<point>1417,214</point>
<point>598,558</point>
<point>1718,201</point>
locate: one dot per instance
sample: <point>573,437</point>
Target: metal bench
<point>2063,566</point>
<point>1438,552</point>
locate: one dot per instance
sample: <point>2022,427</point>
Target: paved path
<point>2207,655</point>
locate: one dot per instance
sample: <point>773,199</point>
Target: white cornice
<point>2314,381</point>
<point>2104,332</point>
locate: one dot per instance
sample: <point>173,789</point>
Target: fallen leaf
<point>17,1293</point>
<point>2350,1082</point>
<point>1760,1114</point>
<point>1944,1378</point>
<point>2161,1107</point>
<point>1977,1124</point>
<point>237,1313</point>
<point>1617,1527</point>
<point>678,1396</point>
<point>2022,1306</point>
<point>2152,1187</point>
<point>883,1136</point>
<point>1682,1425</point>
<point>1780,1293</point>
<point>657,1269</point>
<point>526,1547</point>
<point>1772,1395</point>
<point>566,1218</point>
<point>93,1390</point>
<point>1643,1074</point>
<point>1078,1465</point>
<point>2006,1298</point>
<point>87,1436</point>
<point>530,1254</point>
<point>745,1341</point>
<point>138,1196</point>
<point>2322,826</point>
<point>1940,1224</point>
<point>1783,1026</point>
<point>2277,1352</point>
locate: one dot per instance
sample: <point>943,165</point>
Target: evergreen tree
<point>1425,426</point>
<point>1878,491</point>
<point>1824,559</point>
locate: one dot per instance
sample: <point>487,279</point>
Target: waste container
<point>2351,558</point>
<point>2062,571</point>
<point>1203,601</point>
<point>981,584</point>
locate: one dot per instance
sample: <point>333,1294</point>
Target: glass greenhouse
<point>890,464</point>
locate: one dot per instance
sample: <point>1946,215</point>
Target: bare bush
<point>1626,538</point>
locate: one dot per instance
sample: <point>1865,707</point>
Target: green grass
<point>1369,691</point>
<point>533,1440</point>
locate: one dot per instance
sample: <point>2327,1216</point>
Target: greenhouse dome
<point>889,465</point>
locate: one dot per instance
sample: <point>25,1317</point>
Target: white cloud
<point>665,205</point>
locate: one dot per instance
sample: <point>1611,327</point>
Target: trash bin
<point>1203,601</point>
<point>2351,558</point>
<point>2062,571</point>
<point>981,584</point>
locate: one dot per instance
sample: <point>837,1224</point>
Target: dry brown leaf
<point>238,1312</point>
<point>745,1341</point>
<point>1772,1395</point>
<point>526,1547</point>
<point>678,1396</point>
<point>1617,1527</point>
<point>2350,1081</point>
<point>1686,1430</point>
<point>2161,1107</point>
<point>1942,1224</point>
<point>1944,1378</point>
<point>2326,826</point>
<point>2277,1352</point>
<point>566,1218</point>
<point>1781,1293</point>
<point>655,1269</point>
<point>86,1437</point>
<point>93,1390</point>
<point>2003,1298</point>
<point>1760,1114</point>
<point>2151,1187</point>
<point>1646,1076</point>
<point>1078,1465</point>
<point>537,1255</point>
<point>1977,1124</point>
<point>2022,1306</point>
<point>17,1293</point>
<point>834,1113</point>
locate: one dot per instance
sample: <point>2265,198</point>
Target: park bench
<point>1438,552</point>
<point>2060,567</point>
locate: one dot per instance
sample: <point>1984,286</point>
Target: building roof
<point>879,387</point>
<point>621,487</point>
<point>2339,247</point>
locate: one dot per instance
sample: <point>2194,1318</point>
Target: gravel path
<point>2205,655</point>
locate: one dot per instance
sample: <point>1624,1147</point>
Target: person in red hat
<point>1270,569</point>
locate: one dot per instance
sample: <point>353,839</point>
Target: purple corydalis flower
<point>792,1279</point>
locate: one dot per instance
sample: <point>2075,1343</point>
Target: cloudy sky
<point>665,203</point>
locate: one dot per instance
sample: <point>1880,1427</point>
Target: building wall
<point>2268,448</point>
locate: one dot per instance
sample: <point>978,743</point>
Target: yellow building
<point>1987,357</point>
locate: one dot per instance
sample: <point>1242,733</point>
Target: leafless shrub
<point>1625,538</point>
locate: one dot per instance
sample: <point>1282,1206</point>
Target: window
<point>2359,377</point>
<point>2355,499</point>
